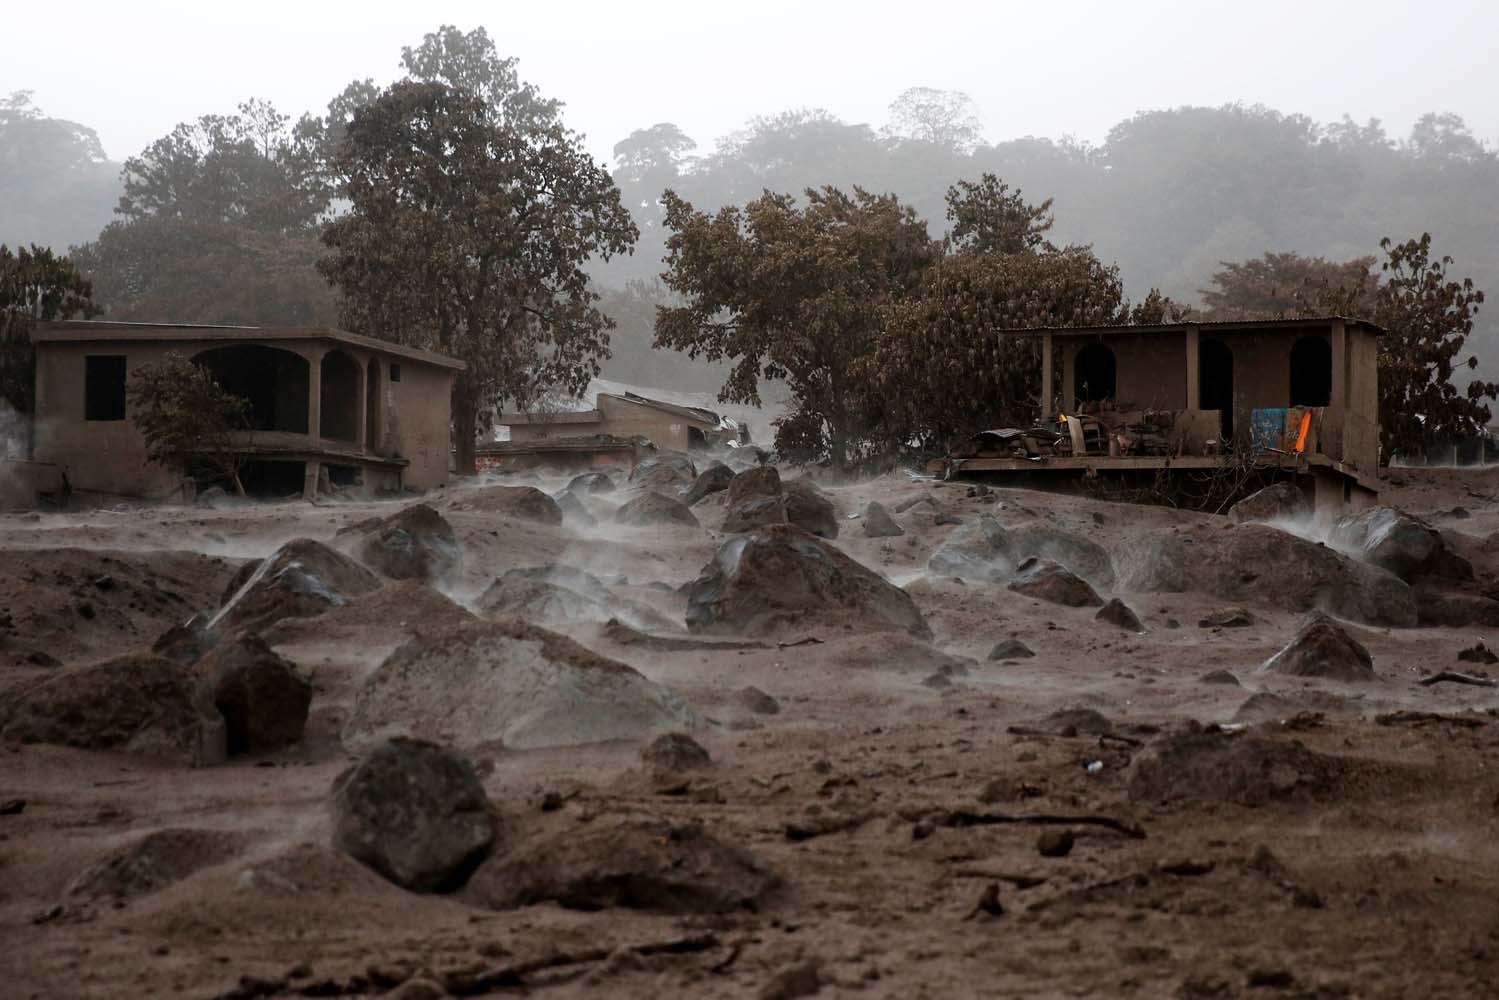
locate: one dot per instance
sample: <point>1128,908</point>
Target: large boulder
<point>560,595</point>
<point>302,579</point>
<point>134,703</point>
<point>416,813</point>
<point>752,484</point>
<point>509,683</point>
<point>635,864</point>
<point>809,508</point>
<point>1047,581</point>
<point>523,503</point>
<point>591,483</point>
<point>756,512</point>
<point>984,549</point>
<point>714,479</point>
<point>879,524</point>
<point>573,509</point>
<point>782,576</point>
<point>1281,501</point>
<point>656,510</point>
<point>416,543</point>
<point>1323,648</point>
<point>262,696</point>
<point>1259,564</point>
<point>666,471</point>
<point>1398,542</point>
<point>805,508</point>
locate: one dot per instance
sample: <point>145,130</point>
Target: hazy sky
<point>133,70</point>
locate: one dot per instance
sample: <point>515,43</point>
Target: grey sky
<point>1034,68</point>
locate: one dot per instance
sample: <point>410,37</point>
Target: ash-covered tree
<point>56,183</point>
<point>944,118</point>
<point>189,421</point>
<point>987,217</point>
<point>472,209</point>
<point>35,285</point>
<point>1280,284</point>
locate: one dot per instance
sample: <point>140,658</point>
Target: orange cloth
<point>1306,425</point>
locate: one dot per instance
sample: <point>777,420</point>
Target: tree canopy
<point>35,285</point>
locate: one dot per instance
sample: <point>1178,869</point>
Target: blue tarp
<point>1267,426</point>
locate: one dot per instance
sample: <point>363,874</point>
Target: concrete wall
<point>617,416</point>
<point>1150,370</point>
<point>418,421</point>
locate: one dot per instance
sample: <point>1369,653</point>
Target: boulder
<point>666,471</point>
<point>302,579</point>
<point>714,479</point>
<point>656,510</point>
<point>262,696</point>
<point>756,512</point>
<point>1259,564</point>
<point>135,703</point>
<point>1323,648</point>
<point>1116,612</point>
<point>1047,581</point>
<point>675,752</point>
<point>523,503</point>
<point>879,524</point>
<point>1455,608</point>
<point>983,549</point>
<point>1010,649</point>
<point>1281,501</point>
<point>809,508</point>
<point>416,543</point>
<point>782,576</point>
<point>591,483</point>
<point>186,643</point>
<point>756,701</point>
<point>1478,653</point>
<point>416,813</point>
<point>573,509</point>
<point>1398,542</point>
<point>635,864</point>
<point>752,484</point>
<point>510,683</point>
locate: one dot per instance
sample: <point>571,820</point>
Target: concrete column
<point>1194,371</point>
<point>315,400</point>
<point>1046,378</point>
<point>361,404</point>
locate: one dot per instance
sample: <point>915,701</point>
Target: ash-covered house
<point>1299,397</point>
<point>325,404</point>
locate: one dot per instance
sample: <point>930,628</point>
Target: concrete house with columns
<point>326,406</point>
<point>1301,396</point>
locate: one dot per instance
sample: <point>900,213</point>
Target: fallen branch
<point>514,975</point>
<point>1404,718</point>
<point>959,818</point>
<point>1453,677</point>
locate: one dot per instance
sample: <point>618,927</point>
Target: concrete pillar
<point>360,405</point>
<point>1194,371</point>
<point>1046,378</point>
<point>315,400</point>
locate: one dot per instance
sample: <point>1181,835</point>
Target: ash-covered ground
<point>939,761</point>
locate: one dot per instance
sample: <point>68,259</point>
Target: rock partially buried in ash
<point>186,643</point>
<point>1276,502</point>
<point>879,524</point>
<point>416,813</point>
<point>523,503</point>
<point>781,576</point>
<point>656,510</point>
<point>1046,581</point>
<point>573,509</point>
<point>1116,612</point>
<point>302,579</point>
<point>261,695</point>
<point>714,479</point>
<point>1231,618</point>
<point>509,682</point>
<point>809,508</point>
<point>675,752</point>
<point>629,863</point>
<point>591,483</point>
<point>154,862</point>
<point>1323,648</point>
<point>135,703</point>
<point>664,472</point>
<point>416,543</point>
<point>984,549</point>
<point>757,701</point>
<point>1400,543</point>
<point>754,484</point>
<point>1010,649</point>
<point>798,502</point>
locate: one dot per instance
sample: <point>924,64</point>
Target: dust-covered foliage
<point>189,421</point>
<point>35,285</point>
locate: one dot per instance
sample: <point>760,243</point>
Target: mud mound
<point>1047,581</point>
<point>511,683</point>
<point>714,479</point>
<point>664,472</point>
<point>416,543</point>
<point>416,813</point>
<point>302,579</point>
<point>261,695</point>
<point>137,703</point>
<point>780,576</point>
<point>1323,648</point>
<point>656,510</point>
<point>524,503</point>
<point>1208,765</point>
<point>628,863</point>
<point>1400,543</point>
<point>1276,502</point>
<point>153,862</point>
<point>984,549</point>
<point>1259,564</point>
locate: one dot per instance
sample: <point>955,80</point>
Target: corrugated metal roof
<point>1221,325</point>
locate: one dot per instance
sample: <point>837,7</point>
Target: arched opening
<point>1311,372</point>
<point>272,379</point>
<point>1094,374</point>
<point>340,389</point>
<point>372,406</point>
<point>1215,382</point>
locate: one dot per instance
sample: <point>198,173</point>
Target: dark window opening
<point>695,438</point>
<point>1311,372</point>
<point>1215,381</point>
<point>340,388</point>
<point>344,475</point>
<point>273,479</point>
<point>274,381</point>
<point>104,387</point>
<point>395,372</point>
<point>1094,374</point>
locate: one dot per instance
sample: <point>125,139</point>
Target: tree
<point>188,420</point>
<point>794,293</point>
<point>1279,284</point>
<point>35,285</point>
<point>649,155</point>
<point>471,212</point>
<point>987,217</point>
<point>56,183</point>
<point>943,118</point>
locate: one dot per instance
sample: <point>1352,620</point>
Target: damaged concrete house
<point>620,430</point>
<point>325,405</point>
<point>1301,395</point>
